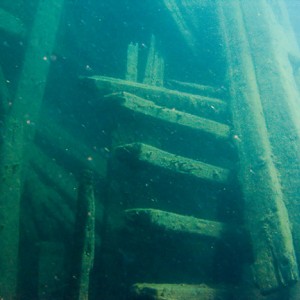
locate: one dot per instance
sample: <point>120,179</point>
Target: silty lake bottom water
<point>149,150</point>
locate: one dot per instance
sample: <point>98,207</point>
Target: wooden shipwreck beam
<point>172,163</point>
<point>275,53</point>
<point>171,223</point>
<point>170,116</point>
<point>18,129</point>
<point>154,72</point>
<point>267,219</point>
<point>197,89</point>
<point>84,239</point>
<point>132,62</point>
<point>154,291</point>
<point>209,107</point>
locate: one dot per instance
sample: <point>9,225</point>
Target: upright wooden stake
<point>132,62</point>
<point>84,239</point>
<point>154,73</point>
<point>18,129</point>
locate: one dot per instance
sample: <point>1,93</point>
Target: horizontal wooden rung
<point>173,116</point>
<point>172,163</point>
<point>152,291</point>
<point>198,89</point>
<point>199,105</point>
<point>179,224</point>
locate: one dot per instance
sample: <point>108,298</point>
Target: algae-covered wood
<point>200,105</point>
<point>274,51</point>
<point>132,62</point>
<point>173,116</point>
<point>84,240</point>
<point>154,72</point>
<point>172,223</point>
<point>267,219</point>
<point>172,163</point>
<point>154,291</point>
<point>196,88</point>
<point>19,124</point>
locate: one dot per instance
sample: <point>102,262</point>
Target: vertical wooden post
<point>84,239</point>
<point>132,62</point>
<point>18,129</point>
<point>154,73</point>
<point>266,215</point>
<point>275,54</point>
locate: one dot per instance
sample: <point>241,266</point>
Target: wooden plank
<point>155,67</point>
<point>195,88</point>
<point>275,264</point>
<point>84,239</point>
<point>18,129</point>
<point>171,223</point>
<point>173,116</point>
<point>199,105</point>
<point>272,41</point>
<point>172,163</point>
<point>132,62</point>
<point>10,23</point>
<point>154,291</point>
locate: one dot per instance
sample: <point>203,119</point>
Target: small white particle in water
<point>28,122</point>
<point>45,58</point>
<point>88,68</point>
<point>89,158</point>
<point>252,172</point>
<point>236,137</point>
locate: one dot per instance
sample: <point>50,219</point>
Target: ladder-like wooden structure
<point>180,113</point>
<point>194,173</point>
